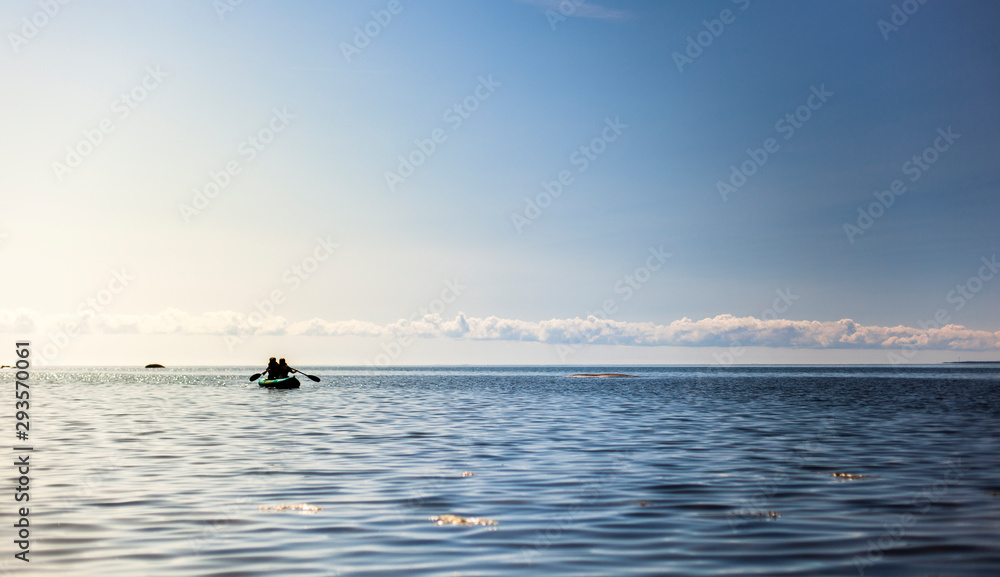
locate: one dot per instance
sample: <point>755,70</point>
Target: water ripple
<point>685,471</point>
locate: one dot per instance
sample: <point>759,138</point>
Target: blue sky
<point>551,77</point>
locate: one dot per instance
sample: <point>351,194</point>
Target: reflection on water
<point>682,471</point>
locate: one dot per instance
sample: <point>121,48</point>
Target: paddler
<point>272,369</point>
<point>284,370</point>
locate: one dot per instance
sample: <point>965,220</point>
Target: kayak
<point>286,383</point>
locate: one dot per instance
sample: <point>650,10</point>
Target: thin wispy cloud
<point>718,331</point>
<point>578,9</point>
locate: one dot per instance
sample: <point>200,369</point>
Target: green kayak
<point>286,383</point>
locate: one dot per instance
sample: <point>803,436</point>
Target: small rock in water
<point>304,507</point>
<point>761,515</point>
<point>850,476</point>
<point>463,521</point>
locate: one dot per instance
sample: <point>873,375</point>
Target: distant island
<point>154,366</point>
<point>600,375</point>
<point>972,362</point>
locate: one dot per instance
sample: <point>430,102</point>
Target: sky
<point>405,182</point>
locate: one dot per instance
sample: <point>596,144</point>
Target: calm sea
<point>681,471</point>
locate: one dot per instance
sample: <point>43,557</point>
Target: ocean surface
<point>773,471</point>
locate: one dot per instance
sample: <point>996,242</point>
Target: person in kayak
<point>272,369</point>
<point>284,370</point>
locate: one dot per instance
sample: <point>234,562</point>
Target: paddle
<point>312,378</point>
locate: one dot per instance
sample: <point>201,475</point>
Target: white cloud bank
<point>719,331</point>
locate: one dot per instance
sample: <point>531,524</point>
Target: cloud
<point>578,9</point>
<point>18,321</point>
<point>718,331</point>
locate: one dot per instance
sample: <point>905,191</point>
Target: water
<point>683,471</point>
